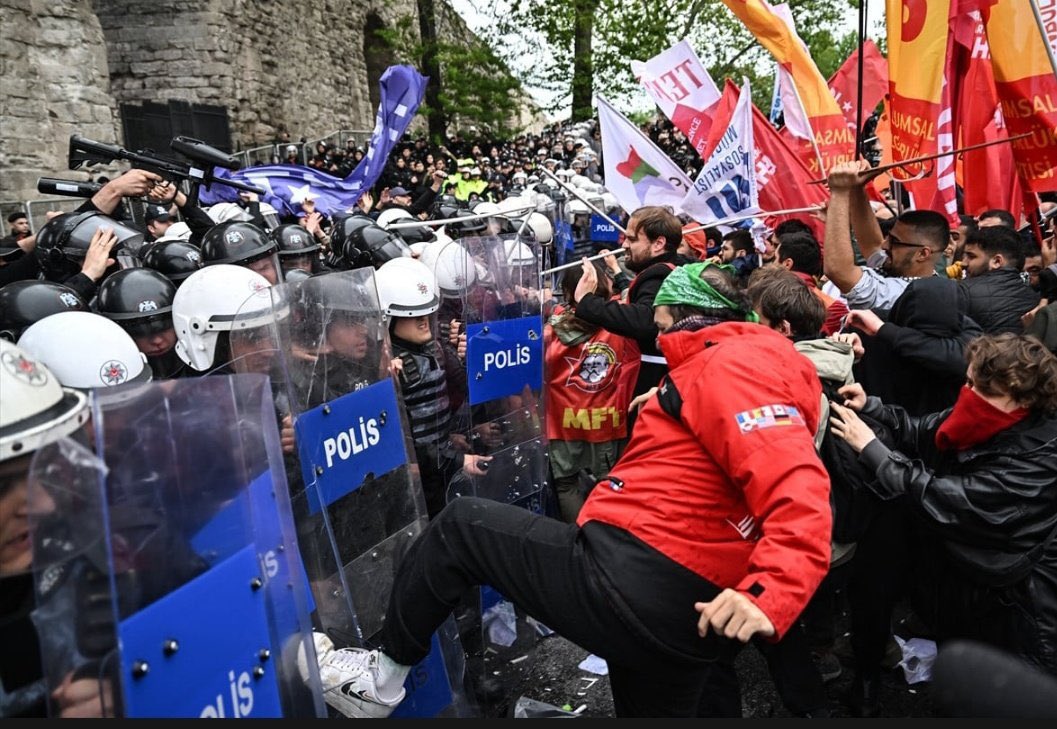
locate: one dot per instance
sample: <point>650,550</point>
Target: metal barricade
<point>38,210</point>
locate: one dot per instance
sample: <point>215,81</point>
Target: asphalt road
<point>550,674</point>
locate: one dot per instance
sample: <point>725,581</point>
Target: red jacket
<point>733,489</point>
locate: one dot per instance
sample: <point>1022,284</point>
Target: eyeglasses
<point>893,241</point>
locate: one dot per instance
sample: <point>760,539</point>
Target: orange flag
<point>917,47</point>
<point>834,141</point>
<point>1026,81</point>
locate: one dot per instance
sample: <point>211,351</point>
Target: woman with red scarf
<point>982,478</point>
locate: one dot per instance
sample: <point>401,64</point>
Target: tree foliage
<point>473,88</point>
<point>625,30</point>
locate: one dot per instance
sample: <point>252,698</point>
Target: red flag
<point>1027,87</point>
<point>989,177</point>
<point>844,83</point>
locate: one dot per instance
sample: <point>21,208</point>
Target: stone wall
<point>53,83</point>
<point>310,68</point>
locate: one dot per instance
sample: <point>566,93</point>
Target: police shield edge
<point>166,568</point>
<point>356,499</point>
<point>503,412</point>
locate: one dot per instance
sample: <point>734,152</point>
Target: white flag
<point>679,84</point>
<point>637,172</point>
<point>726,185</point>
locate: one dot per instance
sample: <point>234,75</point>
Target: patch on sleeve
<point>768,416</point>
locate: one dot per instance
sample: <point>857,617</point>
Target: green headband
<point>685,287</point>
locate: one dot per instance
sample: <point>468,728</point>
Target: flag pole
<point>858,90</point>
<point>581,198</point>
<point>875,171</point>
<point>573,264</point>
<point>747,216</point>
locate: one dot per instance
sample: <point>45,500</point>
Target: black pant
<point>881,577</point>
<point>544,567</point>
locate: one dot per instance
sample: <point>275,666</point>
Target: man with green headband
<point>713,527</point>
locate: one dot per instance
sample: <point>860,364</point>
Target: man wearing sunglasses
<point>910,249</point>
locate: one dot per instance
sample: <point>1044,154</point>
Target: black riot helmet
<point>23,303</point>
<point>176,260</point>
<point>298,248</point>
<point>62,243</point>
<point>139,300</point>
<point>342,231</point>
<point>242,244</point>
<point>373,245</point>
<point>417,234</point>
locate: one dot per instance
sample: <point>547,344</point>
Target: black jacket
<point>997,300</point>
<point>917,358</point>
<point>992,508</point>
<point>634,318</point>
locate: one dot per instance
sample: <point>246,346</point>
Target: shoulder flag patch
<point>768,416</point>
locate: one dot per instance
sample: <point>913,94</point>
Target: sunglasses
<point>893,241</point>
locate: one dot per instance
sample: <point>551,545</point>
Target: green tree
<point>619,31</point>
<point>469,84</point>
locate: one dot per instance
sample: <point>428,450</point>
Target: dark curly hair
<point>1016,365</point>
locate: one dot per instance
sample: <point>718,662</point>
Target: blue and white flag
<point>286,186</point>
<point>776,97</point>
<point>726,185</point>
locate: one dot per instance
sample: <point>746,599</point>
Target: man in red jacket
<point>712,528</point>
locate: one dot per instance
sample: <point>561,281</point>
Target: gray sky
<point>475,15</point>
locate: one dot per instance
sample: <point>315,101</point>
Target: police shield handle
<point>875,171</point>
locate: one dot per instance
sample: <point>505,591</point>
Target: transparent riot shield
<point>165,564</point>
<point>502,415</point>
<point>355,494</point>
<point>502,418</point>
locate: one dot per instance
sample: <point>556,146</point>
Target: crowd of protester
<point>862,421</point>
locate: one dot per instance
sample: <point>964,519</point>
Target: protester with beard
<point>910,248</point>
<point>653,237</point>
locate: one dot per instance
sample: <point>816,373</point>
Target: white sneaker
<point>350,678</point>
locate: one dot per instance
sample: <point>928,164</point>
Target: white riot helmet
<point>225,211</point>
<point>579,181</point>
<point>518,253</point>
<point>35,409</point>
<point>541,227</point>
<point>177,231</point>
<point>452,265</point>
<point>516,207</point>
<point>211,300</point>
<point>564,174</point>
<point>609,201</point>
<point>392,215</point>
<point>86,350</point>
<point>406,288</point>
<point>577,207</point>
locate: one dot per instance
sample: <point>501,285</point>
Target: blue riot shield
<point>355,494</point>
<point>165,562</point>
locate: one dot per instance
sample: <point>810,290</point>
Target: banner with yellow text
<point>1027,87</point>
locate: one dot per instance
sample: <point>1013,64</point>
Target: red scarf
<point>973,421</point>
